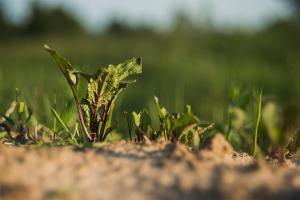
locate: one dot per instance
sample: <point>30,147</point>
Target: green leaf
<point>183,124</point>
<point>161,110</point>
<point>21,107</point>
<point>112,79</point>
<point>237,118</point>
<point>70,73</point>
<point>58,118</point>
<point>272,119</point>
<point>109,122</point>
<point>185,119</point>
<point>106,84</point>
<point>136,118</point>
<point>145,120</point>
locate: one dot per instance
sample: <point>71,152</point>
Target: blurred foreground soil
<point>123,170</point>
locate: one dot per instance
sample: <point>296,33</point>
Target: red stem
<point>104,120</point>
<point>81,120</point>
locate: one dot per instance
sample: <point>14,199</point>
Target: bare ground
<point>160,170</point>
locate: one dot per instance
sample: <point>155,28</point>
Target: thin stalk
<point>257,123</point>
<point>80,115</point>
<point>95,125</point>
<point>104,117</point>
<point>130,131</point>
<point>104,120</point>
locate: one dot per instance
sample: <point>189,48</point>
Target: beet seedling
<point>104,86</point>
<point>139,124</point>
<point>176,127</point>
<point>181,127</point>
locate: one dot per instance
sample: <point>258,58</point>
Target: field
<point>180,68</point>
<point>224,122</point>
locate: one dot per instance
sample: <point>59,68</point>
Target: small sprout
<point>176,127</point>
<point>104,86</point>
<point>140,124</point>
<point>15,122</point>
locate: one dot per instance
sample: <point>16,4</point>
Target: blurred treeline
<point>187,64</point>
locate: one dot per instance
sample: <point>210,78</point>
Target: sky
<point>96,14</point>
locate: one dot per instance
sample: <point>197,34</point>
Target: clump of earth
<point>161,170</point>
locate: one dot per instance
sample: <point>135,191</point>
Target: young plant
<point>283,130</point>
<point>104,86</point>
<point>175,127</point>
<point>242,130</point>
<point>140,124</point>
<point>181,127</point>
<point>15,121</point>
<point>257,126</point>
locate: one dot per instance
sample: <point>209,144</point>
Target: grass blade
<point>58,118</point>
<point>258,119</point>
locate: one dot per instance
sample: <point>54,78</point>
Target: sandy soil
<point>152,171</point>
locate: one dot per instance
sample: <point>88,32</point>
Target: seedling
<point>244,120</point>
<point>140,124</point>
<point>104,86</point>
<point>181,127</point>
<point>15,121</point>
<point>175,127</point>
<point>282,127</point>
<point>261,127</point>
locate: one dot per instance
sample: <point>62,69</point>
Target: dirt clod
<point>219,146</point>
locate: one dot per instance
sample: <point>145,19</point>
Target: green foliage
<point>104,86</point>
<point>175,127</point>
<point>277,134</point>
<point>16,121</point>
<point>140,124</point>
<point>283,130</point>
<point>257,126</point>
<point>61,122</point>
<point>243,119</point>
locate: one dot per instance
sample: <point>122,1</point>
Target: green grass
<point>197,69</point>
<point>258,119</point>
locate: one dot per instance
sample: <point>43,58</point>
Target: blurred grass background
<point>186,64</point>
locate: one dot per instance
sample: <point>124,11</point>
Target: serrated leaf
<point>104,86</point>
